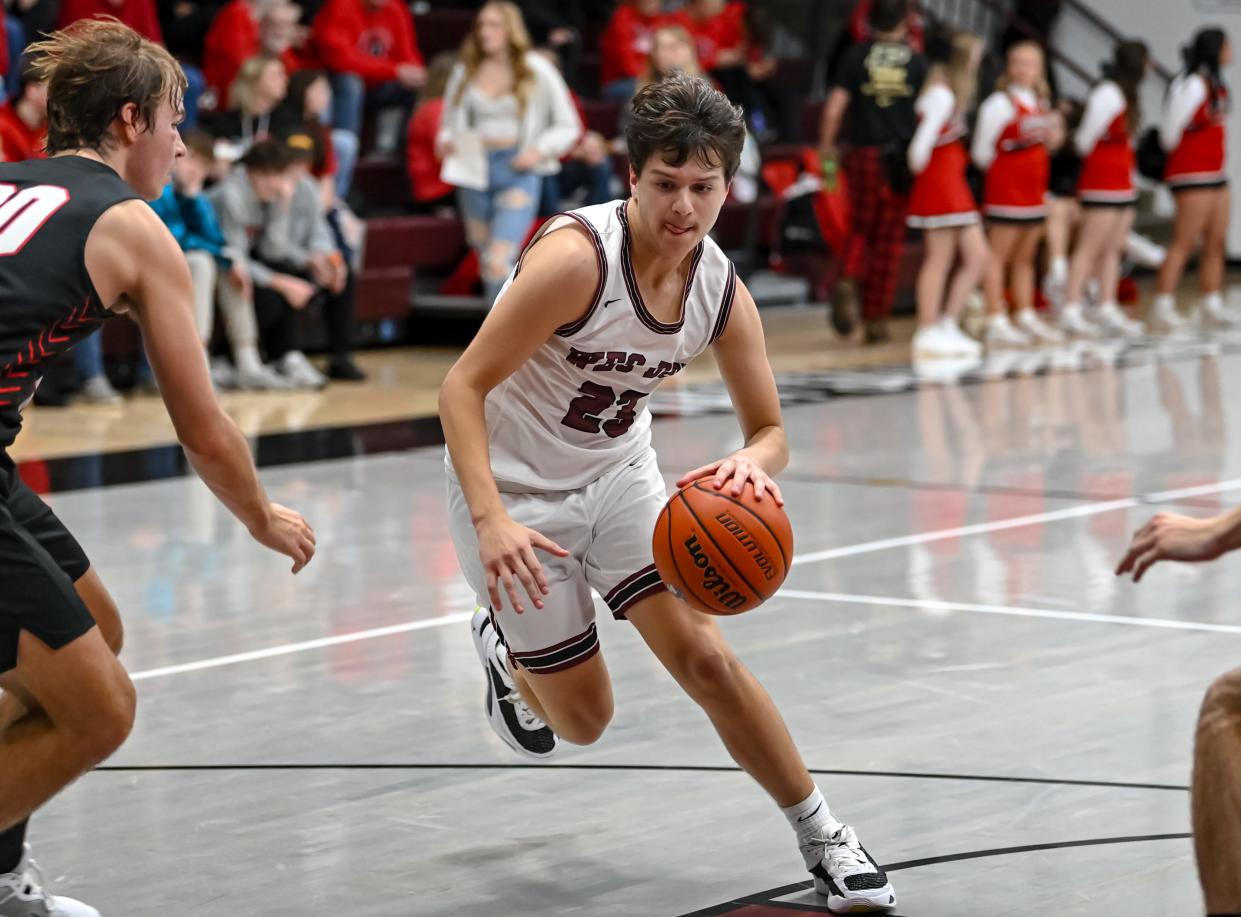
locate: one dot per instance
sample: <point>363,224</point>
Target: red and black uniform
<point>1197,157</point>
<point>1010,147</point>
<point>941,196</point>
<point>47,303</point>
<point>1105,142</point>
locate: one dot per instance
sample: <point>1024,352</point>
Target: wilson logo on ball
<point>712,580</point>
<point>739,531</point>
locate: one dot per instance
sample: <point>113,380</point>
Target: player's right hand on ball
<point>286,532</point>
<point>507,552</point>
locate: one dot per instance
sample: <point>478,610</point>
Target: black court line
<point>764,898</point>
<point>810,477</point>
<point>685,768</point>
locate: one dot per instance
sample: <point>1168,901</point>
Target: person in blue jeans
<point>508,119</point>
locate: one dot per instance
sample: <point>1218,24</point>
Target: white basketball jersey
<point>578,407</point>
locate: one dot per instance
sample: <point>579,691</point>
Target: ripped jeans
<point>497,220</point>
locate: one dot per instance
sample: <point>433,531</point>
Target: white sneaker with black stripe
<point>513,721</point>
<point>845,873</point>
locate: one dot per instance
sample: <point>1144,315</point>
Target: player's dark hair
<point>887,15</point>
<point>682,117</point>
<point>93,69</point>
<point>268,157</point>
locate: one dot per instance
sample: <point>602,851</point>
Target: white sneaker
<point>1111,319</point>
<point>1213,315</point>
<point>1042,333</point>
<point>1073,322</point>
<point>1054,286</point>
<point>98,390</point>
<point>261,378</point>
<point>510,718</point>
<point>300,372</point>
<point>1143,251</point>
<point>1002,333</point>
<point>25,894</point>
<point>933,342</point>
<point>961,344</point>
<point>846,874</point>
<point>1162,317</point>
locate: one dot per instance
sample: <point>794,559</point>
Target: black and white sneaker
<point>512,720</point>
<point>846,874</point>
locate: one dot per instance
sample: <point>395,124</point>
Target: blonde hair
<point>960,72</point>
<point>241,90</point>
<point>1042,88</point>
<point>94,67</point>
<point>519,46</point>
<point>682,35</point>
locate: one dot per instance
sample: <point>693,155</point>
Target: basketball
<point>722,554</point>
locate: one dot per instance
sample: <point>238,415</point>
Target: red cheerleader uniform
<point>1197,160</point>
<point>1107,167</point>
<point>941,197</point>
<point>1015,189</point>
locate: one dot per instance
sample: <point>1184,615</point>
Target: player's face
<point>678,205</point>
<point>154,151</point>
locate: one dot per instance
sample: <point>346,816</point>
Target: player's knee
<point>105,726</point>
<point>586,722</point>
<point>1222,704</point>
<point>712,673</point>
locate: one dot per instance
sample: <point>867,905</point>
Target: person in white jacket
<point>508,119</point>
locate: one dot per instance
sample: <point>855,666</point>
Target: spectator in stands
<point>915,29</point>
<point>250,28</point>
<point>1192,130</point>
<point>556,26</point>
<point>1105,141</point>
<point>877,82</point>
<point>626,44</point>
<point>428,190</point>
<point>1010,146</point>
<point>307,107</point>
<point>141,16</point>
<point>251,201</point>
<point>23,121</point>
<point>185,24</point>
<point>672,49</point>
<point>731,50</point>
<point>192,220</point>
<point>585,171</point>
<point>301,245</point>
<point>508,118</point>
<point>258,90</point>
<point>371,49</point>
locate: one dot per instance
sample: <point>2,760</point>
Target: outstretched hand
<point>1171,537</point>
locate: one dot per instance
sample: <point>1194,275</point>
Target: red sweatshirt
<point>723,32</point>
<point>18,141</point>
<point>625,44</point>
<point>420,162</point>
<point>352,36</point>
<point>139,15</point>
<point>231,40</point>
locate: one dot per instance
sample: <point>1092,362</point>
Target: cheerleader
<point>1192,131</point>
<point>942,206</point>
<point>1107,195</point>
<point>1010,147</point>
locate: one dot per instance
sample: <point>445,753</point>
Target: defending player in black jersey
<point>78,245</point>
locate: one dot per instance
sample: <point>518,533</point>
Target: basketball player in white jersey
<point>548,432</point>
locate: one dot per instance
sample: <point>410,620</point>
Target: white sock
<point>811,816</point>
<point>1164,302</point>
<point>1059,267</point>
<point>1213,301</point>
<point>246,356</point>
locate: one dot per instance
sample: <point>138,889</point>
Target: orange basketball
<point>719,553</point>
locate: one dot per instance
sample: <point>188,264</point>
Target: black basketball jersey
<point>47,300</point>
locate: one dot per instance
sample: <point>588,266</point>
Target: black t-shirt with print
<point>883,80</point>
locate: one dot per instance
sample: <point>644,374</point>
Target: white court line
<point>937,605</point>
<point>866,547</point>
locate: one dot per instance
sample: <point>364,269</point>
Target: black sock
<point>11,847</point>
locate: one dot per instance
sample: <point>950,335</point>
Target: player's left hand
<point>733,472</point>
<point>1171,537</point>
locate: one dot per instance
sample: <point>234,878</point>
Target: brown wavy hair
<point>93,69</point>
<point>683,117</point>
<point>519,45</point>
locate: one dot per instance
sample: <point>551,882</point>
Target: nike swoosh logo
<point>812,814</point>
<point>610,301</point>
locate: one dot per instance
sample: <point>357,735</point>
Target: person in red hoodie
<point>371,50</point>
<point>625,46</point>
<point>422,165</point>
<point>23,121</point>
<point>244,29</point>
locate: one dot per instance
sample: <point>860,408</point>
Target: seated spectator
<point>305,247</point>
<point>192,220</point>
<point>371,50</point>
<point>626,46</point>
<point>556,26</point>
<point>507,120</point>
<point>585,171</point>
<point>185,24</point>
<point>306,109</point>
<point>731,50</point>
<point>251,201</point>
<point>429,191</point>
<point>23,121</point>
<point>245,29</point>
<point>258,90</point>
<point>672,50</point>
